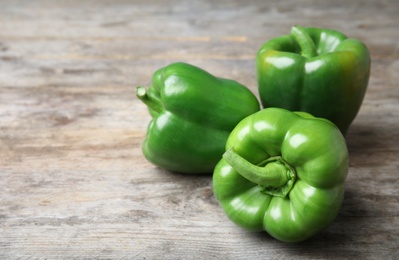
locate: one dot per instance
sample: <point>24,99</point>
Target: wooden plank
<point>74,181</point>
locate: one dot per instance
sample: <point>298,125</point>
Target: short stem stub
<point>274,175</point>
<point>305,42</point>
<point>152,103</point>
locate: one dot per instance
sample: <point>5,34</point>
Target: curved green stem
<point>274,175</point>
<point>152,103</point>
<point>307,45</point>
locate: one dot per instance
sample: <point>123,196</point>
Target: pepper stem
<point>152,103</point>
<point>307,45</point>
<point>274,175</point>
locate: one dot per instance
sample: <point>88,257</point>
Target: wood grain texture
<point>74,181</point>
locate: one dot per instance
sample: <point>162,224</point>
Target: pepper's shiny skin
<point>318,71</point>
<point>193,113</point>
<point>295,166</point>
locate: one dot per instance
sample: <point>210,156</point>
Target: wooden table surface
<point>74,183</point>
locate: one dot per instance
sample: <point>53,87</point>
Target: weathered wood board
<point>74,183</point>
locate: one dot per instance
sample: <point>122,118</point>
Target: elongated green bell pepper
<point>283,172</point>
<point>193,114</point>
<point>318,71</point>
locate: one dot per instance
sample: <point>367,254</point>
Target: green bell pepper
<point>283,172</point>
<point>193,113</point>
<point>318,71</point>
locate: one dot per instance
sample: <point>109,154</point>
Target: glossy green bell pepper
<point>193,113</point>
<point>283,172</point>
<point>318,71</point>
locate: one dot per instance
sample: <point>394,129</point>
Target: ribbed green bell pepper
<point>193,114</point>
<point>283,172</point>
<point>318,71</point>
